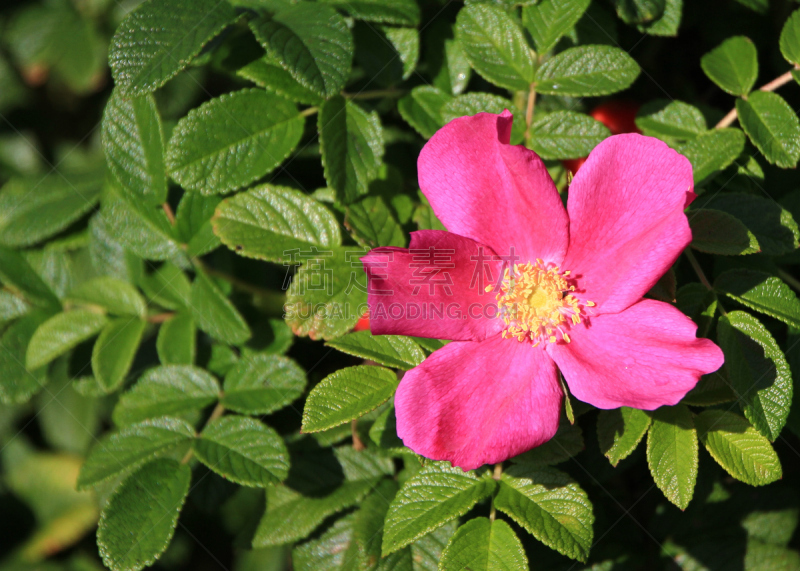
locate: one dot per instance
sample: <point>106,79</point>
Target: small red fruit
<point>363,323</point>
<point>618,115</point>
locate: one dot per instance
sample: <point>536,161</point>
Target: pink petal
<point>440,294</point>
<point>479,403</point>
<point>627,225</point>
<point>500,195</point>
<point>644,357</point>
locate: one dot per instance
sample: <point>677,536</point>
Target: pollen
<point>536,302</point>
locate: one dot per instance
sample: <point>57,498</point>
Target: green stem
<point>218,411</point>
<point>789,279</point>
<point>376,94</point>
<point>529,111</point>
<point>496,473</point>
<point>697,269</point>
<point>268,300</point>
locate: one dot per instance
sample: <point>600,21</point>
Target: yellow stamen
<point>536,303</point>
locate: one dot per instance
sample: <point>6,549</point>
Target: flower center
<point>536,304</point>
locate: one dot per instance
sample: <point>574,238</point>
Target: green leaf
<point>17,273</point>
<point>346,395</point>
<point>717,232</point>
<point>215,314</point>
<point>435,495</point>
<point>671,118</point>
<point>114,350</point>
<point>732,65</point>
<point>32,209</point>
<point>566,135</point>
<point>762,292</point>
<point>550,506</point>
<point>393,351</point>
<point>672,453</point>
<point>351,142</point>
<point>372,224</point>
<point>160,38</point>
<point>481,544</point>
<point>619,432</point>
<point>668,23</point>
<point>243,450</point>
<point>138,523</point>
<point>141,228</point>
<point>168,286</point>
<point>328,294</point>
<point>445,58</point>
<point>311,42</point>
<point>61,333</point>
<point>772,126</point>
<point>773,226</point>
<point>18,384</point>
<point>333,550</point>
<point>399,12</point>
<point>422,109</point>
<point>268,73</point>
<point>473,103</point>
<point>758,371</point>
<point>567,443</point>
<point>267,222</point>
<point>232,140</point>
<point>166,390</point>
<point>291,516</point>
<point>712,152</point>
<point>738,447</point>
<point>548,20</point>
<point>710,390</point>
<point>193,223</point>
<point>639,11</point>
<point>387,55</point>
<point>133,142</point>
<point>587,71</point>
<point>176,340</point>
<point>114,295</point>
<point>131,447</point>
<point>368,523</point>
<point>495,46</point>
<point>422,555</point>
<point>262,384</point>
<point>790,38</point>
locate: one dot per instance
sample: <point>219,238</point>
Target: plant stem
<point>496,473</point>
<point>309,111</point>
<point>168,211</point>
<point>697,269</point>
<point>161,317</point>
<point>789,279</point>
<point>771,86</point>
<point>529,111</point>
<point>376,94</point>
<point>357,443</point>
<point>270,299</point>
<point>218,411</point>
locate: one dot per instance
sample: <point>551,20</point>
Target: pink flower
<point>524,286</point>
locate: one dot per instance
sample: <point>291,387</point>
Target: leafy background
<point>186,189</point>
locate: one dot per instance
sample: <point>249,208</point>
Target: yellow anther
<point>536,303</point>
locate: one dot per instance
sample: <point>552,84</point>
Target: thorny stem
<point>496,473</point>
<point>529,111</point>
<point>218,411</point>
<point>268,297</point>
<point>789,279</point>
<point>161,317</point>
<point>771,86</point>
<point>376,94</point>
<point>697,269</point>
<point>357,443</point>
<point>168,211</point>
<point>700,274</point>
